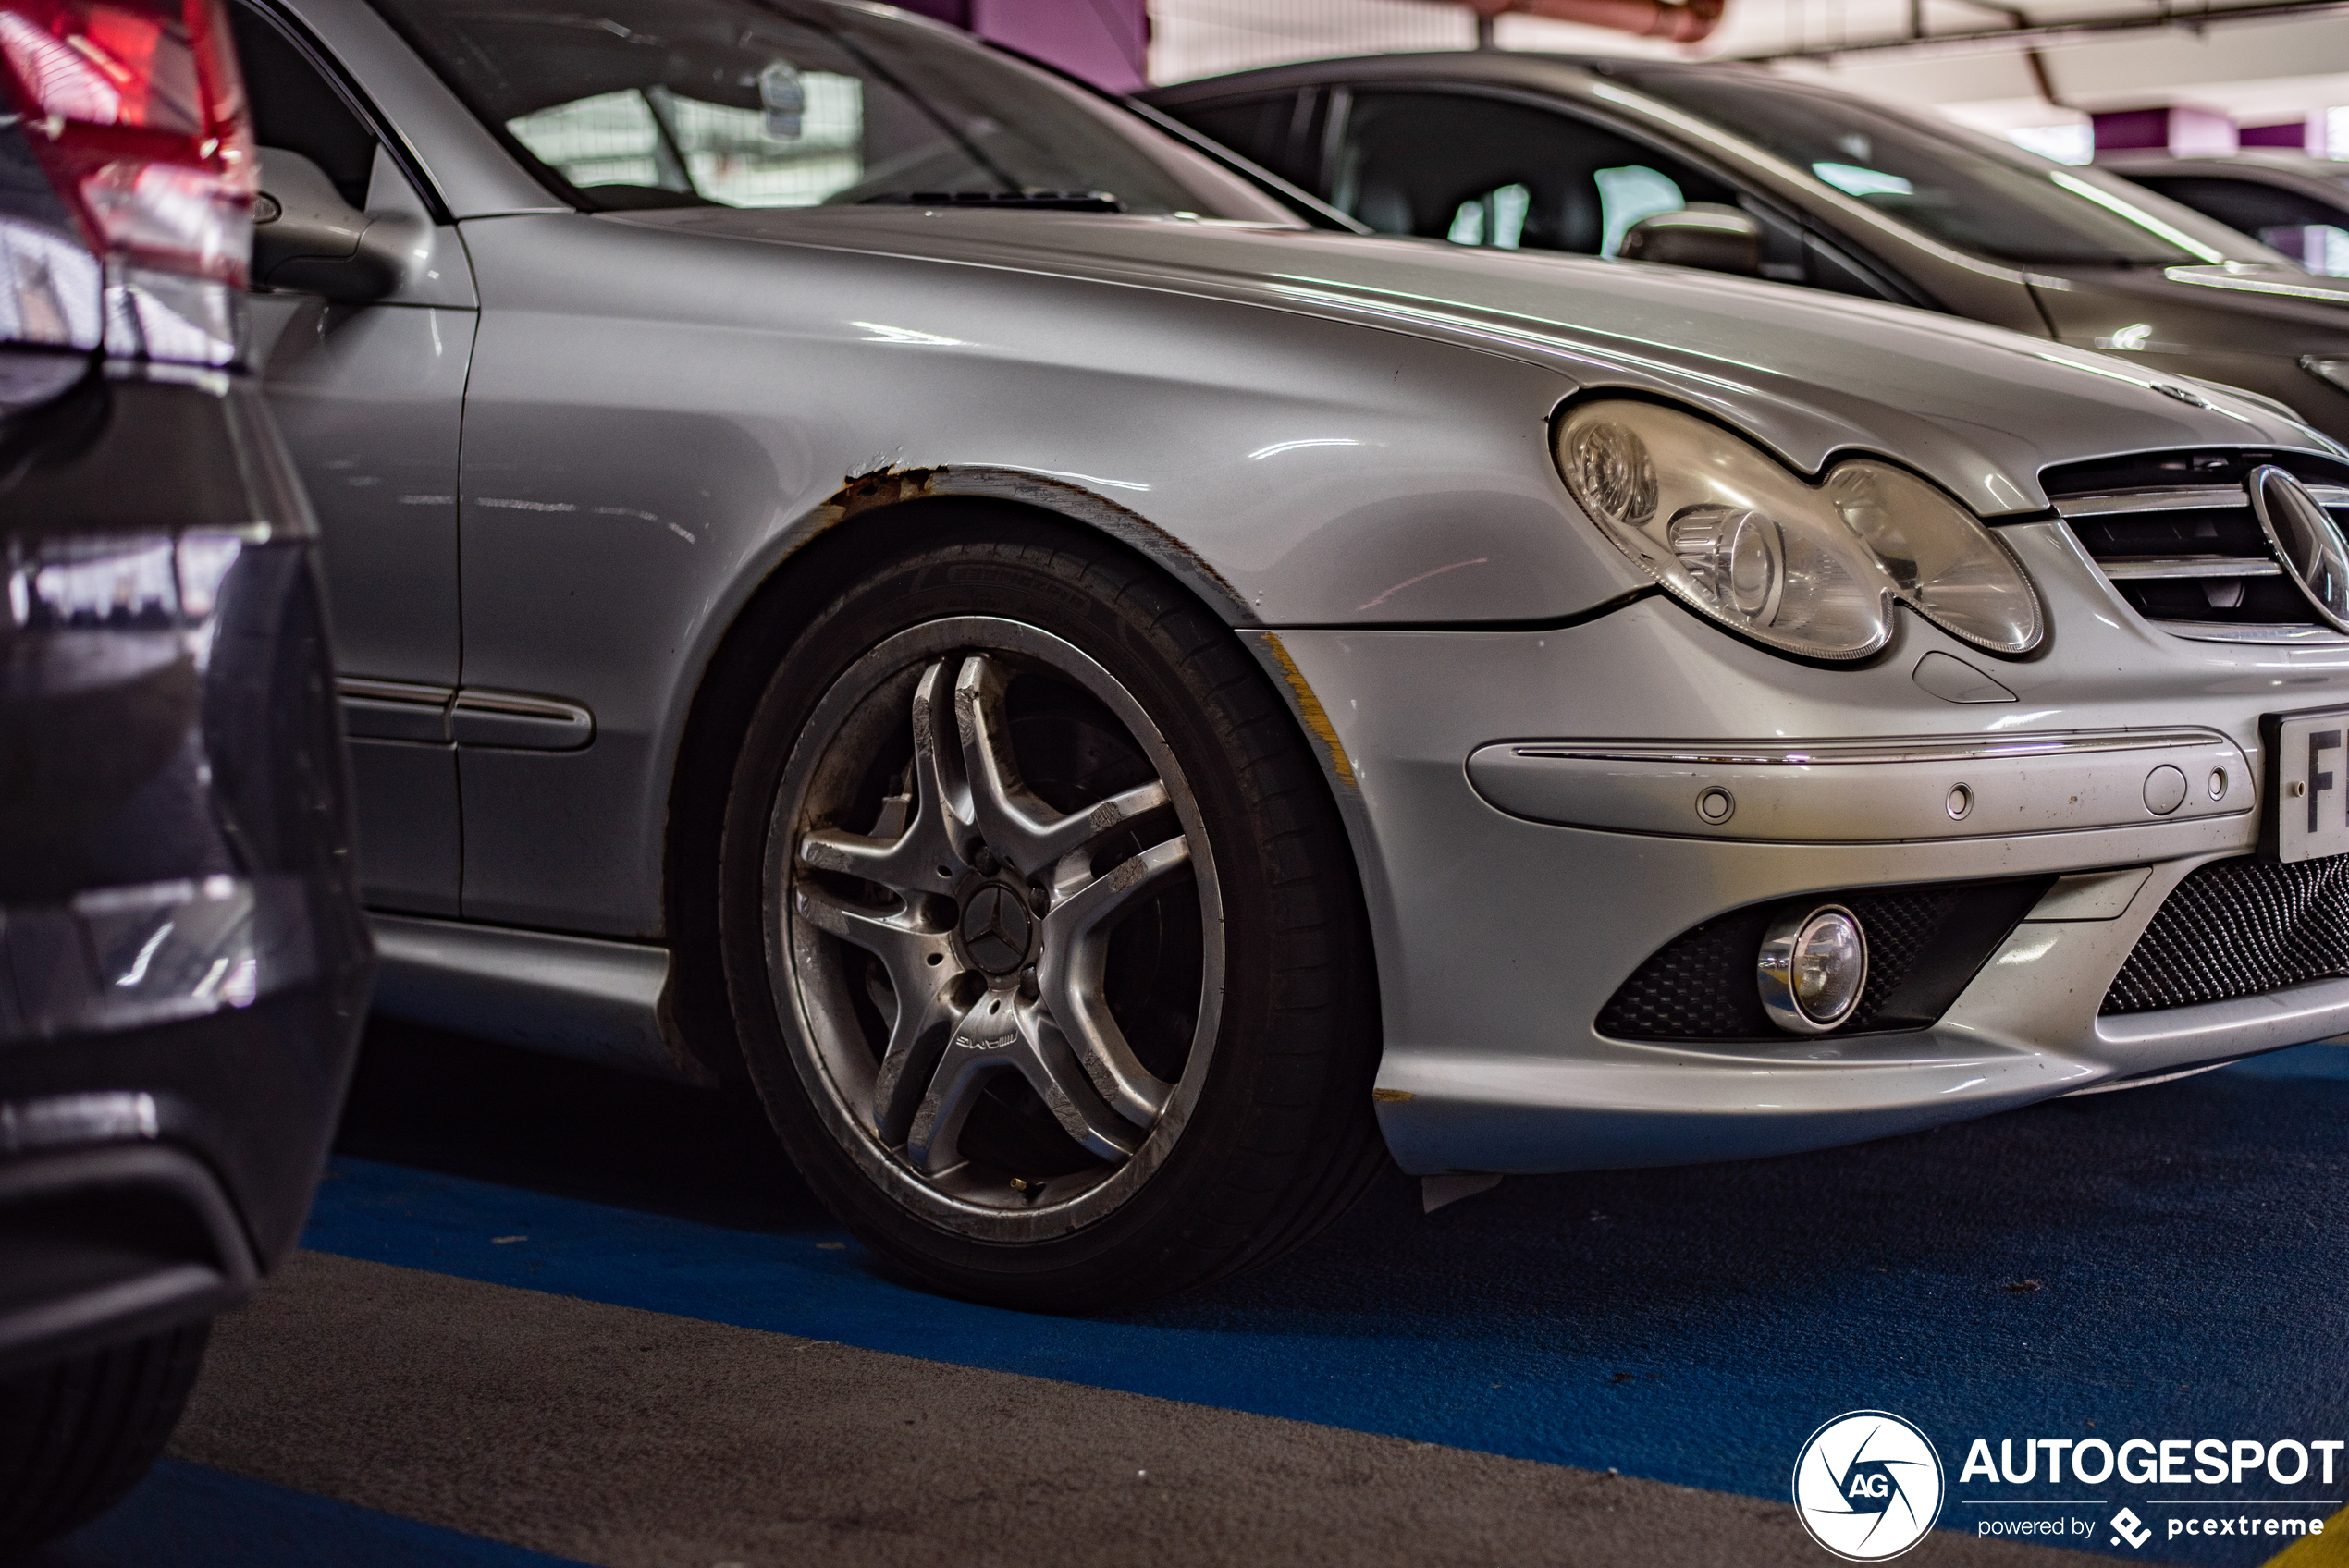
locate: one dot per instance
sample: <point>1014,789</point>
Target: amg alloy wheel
<point>1042,935</point>
<point>976,911</point>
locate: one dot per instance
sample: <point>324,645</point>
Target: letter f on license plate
<point>2307,812</point>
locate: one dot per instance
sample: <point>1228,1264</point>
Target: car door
<point>369,393</point>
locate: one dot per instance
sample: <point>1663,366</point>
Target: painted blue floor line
<point>2304,1062</point>
<point>2163,1263</point>
<point>189,1516</point>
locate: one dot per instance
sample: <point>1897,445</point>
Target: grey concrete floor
<point>637,1439</point>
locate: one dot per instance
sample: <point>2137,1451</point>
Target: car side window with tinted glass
<point>646,104</point>
<point>297,110</point>
<point>1280,131</point>
<point>1481,171</point>
<point>2314,233</point>
<point>798,146</point>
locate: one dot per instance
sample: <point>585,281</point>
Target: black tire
<point>76,1435</point>
<point>1281,1136</point>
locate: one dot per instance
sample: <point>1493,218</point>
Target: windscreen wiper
<point>1044,200</point>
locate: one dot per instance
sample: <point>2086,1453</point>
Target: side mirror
<point>308,240</point>
<point>1702,234</point>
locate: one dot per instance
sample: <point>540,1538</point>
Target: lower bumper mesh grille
<point>1924,944</point>
<point>2239,928</point>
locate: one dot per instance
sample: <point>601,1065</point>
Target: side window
<point>802,143</point>
<point>1481,171</point>
<point>1274,131</point>
<point>2313,233</point>
<point>297,110</point>
<point>755,103</point>
<point>1628,194</point>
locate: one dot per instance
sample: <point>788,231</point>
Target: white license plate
<point>2307,784</point>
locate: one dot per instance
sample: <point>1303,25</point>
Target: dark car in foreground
<point>1738,169</point>
<point>183,963</point>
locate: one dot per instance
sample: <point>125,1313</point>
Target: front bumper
<point>1500,938</point>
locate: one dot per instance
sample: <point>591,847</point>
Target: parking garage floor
<point>550,1314</point>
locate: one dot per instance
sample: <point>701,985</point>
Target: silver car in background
<point>1734,166</point>
<point>863,568</point>
<point>2292,202</point>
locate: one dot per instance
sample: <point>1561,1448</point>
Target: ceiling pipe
<point>1996,40</point>
<point>1678,21</point>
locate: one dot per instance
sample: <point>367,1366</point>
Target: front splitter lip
<point>1492,1114</point>
<point>1522,1118</point>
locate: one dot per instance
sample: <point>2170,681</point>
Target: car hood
<point>1807,373</point>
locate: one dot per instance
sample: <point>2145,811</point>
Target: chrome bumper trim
<point>1869,791</point>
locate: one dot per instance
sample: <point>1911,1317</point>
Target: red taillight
<point>137,111</point>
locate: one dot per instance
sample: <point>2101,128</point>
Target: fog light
<point>1812,969</point>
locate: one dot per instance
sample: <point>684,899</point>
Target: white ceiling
<point>2254,71</point>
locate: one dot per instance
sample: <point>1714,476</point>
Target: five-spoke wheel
<point>953,941</point>
<point>1042,937</point>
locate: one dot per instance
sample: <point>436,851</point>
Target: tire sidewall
<point>1140,628</point>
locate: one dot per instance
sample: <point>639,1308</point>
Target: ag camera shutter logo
<point>1868,1486</point>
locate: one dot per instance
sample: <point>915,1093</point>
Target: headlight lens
<point>1812,570</point>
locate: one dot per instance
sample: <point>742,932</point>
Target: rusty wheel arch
<point>894,509</point>
<point>1047,495</point>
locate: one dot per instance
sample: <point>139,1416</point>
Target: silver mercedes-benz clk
<point>863,568</point>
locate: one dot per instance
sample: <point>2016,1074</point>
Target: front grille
<point>2239,928</point>
<point>1924,944</point>
<point>2174,533</point>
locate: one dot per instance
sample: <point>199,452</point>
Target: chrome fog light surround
<point>1812,969</point>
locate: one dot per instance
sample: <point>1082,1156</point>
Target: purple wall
<point>1106,41</point>
<point>2187,132</point>
<point>2295,134</point>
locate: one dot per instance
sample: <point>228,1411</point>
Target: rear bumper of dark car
<point>183,967</point>
<point>111,1240</point>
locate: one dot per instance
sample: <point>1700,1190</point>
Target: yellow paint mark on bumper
<point>1309,709</point>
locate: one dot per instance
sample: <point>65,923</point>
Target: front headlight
<point>1813,570</point>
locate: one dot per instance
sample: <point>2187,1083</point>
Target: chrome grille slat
<point>2151,569</point>
<point>2175,499</point>
<point>2191,558</point>
<point>2182,499</point>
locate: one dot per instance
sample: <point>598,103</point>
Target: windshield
<point>794,103</point>
<point>1966,189</point>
